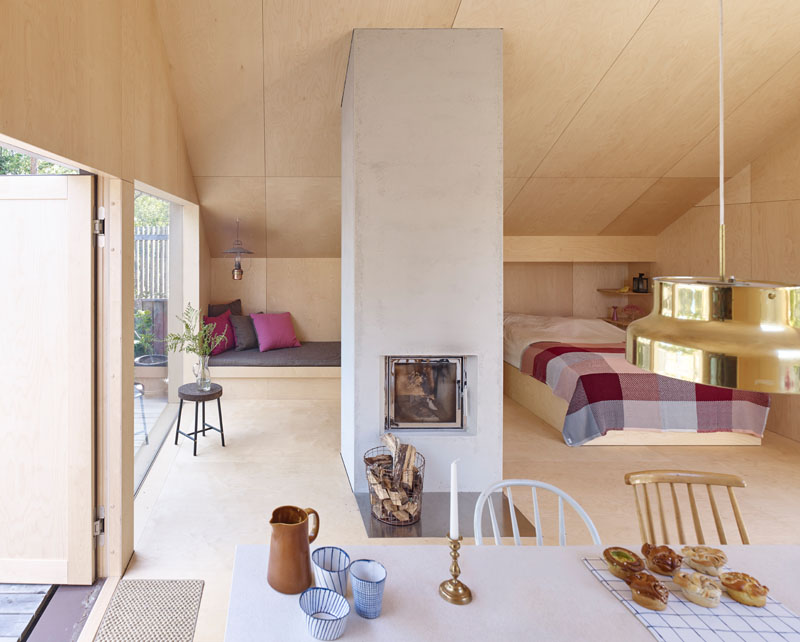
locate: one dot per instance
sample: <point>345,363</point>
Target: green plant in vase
<point>197,338</point>
<point>143,337</point>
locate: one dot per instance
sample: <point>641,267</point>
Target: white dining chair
<point>533,485</point>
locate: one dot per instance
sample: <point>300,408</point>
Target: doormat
<point>152,611</point>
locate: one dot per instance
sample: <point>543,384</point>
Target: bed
<point>572,373</point>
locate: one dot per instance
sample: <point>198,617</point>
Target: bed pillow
<point>216,309</point>
<point>222,325</point>
<point>275,331</point>
<point>243,332</point>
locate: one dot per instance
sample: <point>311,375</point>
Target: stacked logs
<point>395,483</point>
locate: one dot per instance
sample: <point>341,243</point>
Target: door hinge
<point>99,525</point>
<point>99,226</point>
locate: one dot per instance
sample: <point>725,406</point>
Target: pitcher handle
<point>314,531</point>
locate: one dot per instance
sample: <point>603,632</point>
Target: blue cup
<point>331,565</point>
<point>326,613</point>
<point>368,578</point>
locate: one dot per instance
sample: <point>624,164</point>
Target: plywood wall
<point>763,229</point>
<point>88,81</point>
<point>308,288</point>
<point>568,289</point>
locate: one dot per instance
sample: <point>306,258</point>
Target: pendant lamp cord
<point>721,153</point>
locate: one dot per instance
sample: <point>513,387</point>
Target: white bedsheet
<point>520,330</point>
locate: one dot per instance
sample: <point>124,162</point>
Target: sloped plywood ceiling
<point>610,107</point>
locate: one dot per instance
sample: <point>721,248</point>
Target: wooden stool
<point>190,392</point>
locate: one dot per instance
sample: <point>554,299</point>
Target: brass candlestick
<point>454,590</point>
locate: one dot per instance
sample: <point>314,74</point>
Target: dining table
<point>519,593</point>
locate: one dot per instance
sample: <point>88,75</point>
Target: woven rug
<point>152,611</point>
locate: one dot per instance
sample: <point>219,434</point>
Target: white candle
<point>454,500</point>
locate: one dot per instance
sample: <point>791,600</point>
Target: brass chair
<point>653,479</point>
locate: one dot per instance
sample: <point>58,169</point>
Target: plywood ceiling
<point>610,107</point>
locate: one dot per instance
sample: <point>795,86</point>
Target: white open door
<point>47,380</point>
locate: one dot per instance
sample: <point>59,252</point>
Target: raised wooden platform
<point>540,400</point>
<point>284,382</point>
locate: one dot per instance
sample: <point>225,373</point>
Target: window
<point>14,162</point>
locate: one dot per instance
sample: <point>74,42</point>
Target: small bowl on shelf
<point>326,613</point>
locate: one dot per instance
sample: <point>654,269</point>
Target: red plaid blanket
<point>605,392</point>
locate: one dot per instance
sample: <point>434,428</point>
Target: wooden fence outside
<point>151,278</point>
<point>151,262</point>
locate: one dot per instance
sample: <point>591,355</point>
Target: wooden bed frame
<point>540,400</point>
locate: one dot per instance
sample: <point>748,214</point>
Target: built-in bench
<point>311,371</point>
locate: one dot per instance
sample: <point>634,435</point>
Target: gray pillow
<point>244,332</point>
<point>216,309</point>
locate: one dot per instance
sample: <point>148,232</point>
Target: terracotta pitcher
<point>289,568</point>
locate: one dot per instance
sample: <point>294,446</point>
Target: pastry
<point>649,592</point>
<point>661,559</point>
<point>745,589</point>
<point>622,562</point>
<point>699,588</point>
<point>704,559</point>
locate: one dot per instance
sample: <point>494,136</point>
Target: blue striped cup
<point>368,578</point>
<point>326,613</point>
<point>331,565</point>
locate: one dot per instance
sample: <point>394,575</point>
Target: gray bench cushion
<point>312,353</point>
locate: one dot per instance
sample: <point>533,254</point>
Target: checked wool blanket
<point>605,392</point>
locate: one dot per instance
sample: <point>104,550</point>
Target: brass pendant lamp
<point>237,250</point>
<point>716,330</point>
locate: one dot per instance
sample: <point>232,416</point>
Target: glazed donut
<point>704,559</point>
<point>661,559</point>
<point>699,589</point>
<point>649,592</point>
<point>744,588</point>
<point>622,563</point>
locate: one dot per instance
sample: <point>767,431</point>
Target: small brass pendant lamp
<point>237,250</point>
<point>720,331</point>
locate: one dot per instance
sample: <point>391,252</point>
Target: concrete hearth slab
<point>435,518</point>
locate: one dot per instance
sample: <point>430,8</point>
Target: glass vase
<point>202,373</point>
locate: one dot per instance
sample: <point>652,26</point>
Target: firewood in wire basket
<point>407,477</point>
<point>399,462</point>
<point>401,515</point>
<point>378,489</point>
<point>392,443</point>
<point>412,508</point>
<point>379,460</point>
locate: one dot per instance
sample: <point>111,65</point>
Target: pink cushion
<point>274,331</point>
<point>223,326</point>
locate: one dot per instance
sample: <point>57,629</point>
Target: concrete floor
<point>192,512</point>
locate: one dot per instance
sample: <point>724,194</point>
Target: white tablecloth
<point>519,593</point>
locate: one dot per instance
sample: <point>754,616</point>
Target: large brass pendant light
<point>716,330</point>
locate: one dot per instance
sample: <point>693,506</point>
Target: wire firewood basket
<point>395,484</point>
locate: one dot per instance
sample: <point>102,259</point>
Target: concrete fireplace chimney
<point>422,237</point>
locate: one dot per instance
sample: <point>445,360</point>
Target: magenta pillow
<point>222,325</point>
<point>274,331</point>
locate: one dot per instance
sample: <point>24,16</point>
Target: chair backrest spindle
<point>677,508</point>
<point>537,520</point>
<point>717,518</point>
<point>495,527</point>
<point>737,514</point>
<point>698,528</point>
<point>514,525</point>
<point>661,515</point>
